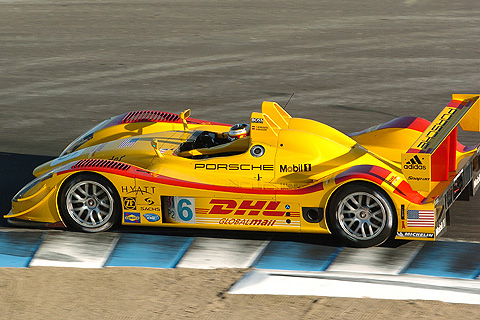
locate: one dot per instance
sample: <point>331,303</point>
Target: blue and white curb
<point>446,270</point>
<point>359,285</point>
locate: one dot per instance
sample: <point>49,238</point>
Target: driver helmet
<point>239,130</point>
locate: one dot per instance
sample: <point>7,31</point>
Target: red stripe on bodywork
<point>413,123</point>
<point>196,185</point>
<point>115,167</point>
<point>155,116</point>
<point>366,172</point>
<point>379,175</point>
<point>404,190</point>
<point>462,148</point>
<point>460,104</point>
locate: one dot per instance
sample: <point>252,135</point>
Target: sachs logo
<point>415,163</point>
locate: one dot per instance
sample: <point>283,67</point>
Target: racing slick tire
<point>89,203</point>
<point>361,215</point>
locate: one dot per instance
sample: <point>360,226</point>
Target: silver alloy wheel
<point>89,204</point>
<point>362,215</point>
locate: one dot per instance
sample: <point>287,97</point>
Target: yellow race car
<point>274,173</point>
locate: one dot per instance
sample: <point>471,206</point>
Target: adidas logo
<point>415,160</point>
<point>415,163</point>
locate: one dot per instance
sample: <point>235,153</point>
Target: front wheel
<point>362,216</point>
<point>89,203</point>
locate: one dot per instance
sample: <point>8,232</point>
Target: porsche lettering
<point>436,128</point>
<point>234,166</point>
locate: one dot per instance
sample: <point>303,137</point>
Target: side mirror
<point>184,116</point>
<point>154,144</point>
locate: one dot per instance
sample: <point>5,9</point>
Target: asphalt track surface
<point>67,65</point>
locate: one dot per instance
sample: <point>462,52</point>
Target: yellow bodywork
<point>266,181</point>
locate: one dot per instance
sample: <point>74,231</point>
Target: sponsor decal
<point>246,207</point>
<point>149,201</point>
<point>420,218</point>
<point>436,127</point>
<point>151,217</point>
<point>117,158</point>
<point>131,217</point>
<point>393,180</point>
<point>128,143</point>
<point>441,227</point>
<point>415,164</point>
<point>476,181</point>
<point>97,149</point>
<point>418,178</point>
<point>296,168</point>
<point>247,222</point>
<point>259,128</point>
<point>129,203</point>
<point>257,120</point>
<point>181,209</point>
<point>234,166</point>
<point>150,209</point>
<point>414,235</point>
<point>137,190</point>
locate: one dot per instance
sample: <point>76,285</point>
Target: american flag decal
<point>128,143</point>
<point>421,218</point>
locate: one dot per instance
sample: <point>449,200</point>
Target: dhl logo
<point>246,207</point>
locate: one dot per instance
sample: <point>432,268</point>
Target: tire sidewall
<point>337,229</point>
<point>62,202</point>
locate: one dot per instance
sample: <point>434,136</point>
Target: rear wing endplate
<point>433,155</point>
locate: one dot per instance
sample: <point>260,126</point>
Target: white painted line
<point>212,253</point>
<point>74,249</point>
<point>375,260</point>
<point>333,284</point>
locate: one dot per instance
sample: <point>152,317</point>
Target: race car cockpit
<point>206,144</point>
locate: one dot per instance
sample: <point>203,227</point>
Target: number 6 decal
<point>185,209</point>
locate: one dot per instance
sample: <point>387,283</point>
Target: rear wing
<point>434,153</point>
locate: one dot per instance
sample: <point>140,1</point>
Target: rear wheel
<point>362,216</point>
<point>89,203</point>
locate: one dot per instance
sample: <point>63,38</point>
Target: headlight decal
<point>32,184</point>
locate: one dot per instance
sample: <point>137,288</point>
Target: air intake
<point>99,163</point>
<point>150,116</point>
